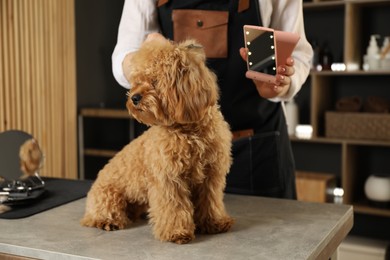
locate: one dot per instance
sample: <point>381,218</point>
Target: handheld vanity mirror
<point>20,162</point>
<point>267,49</point>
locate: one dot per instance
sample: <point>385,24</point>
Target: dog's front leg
<point>105,207</point>
<point>210,214</point>
<point>171,211</point>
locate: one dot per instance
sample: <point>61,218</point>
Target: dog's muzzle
<point>136,98</point>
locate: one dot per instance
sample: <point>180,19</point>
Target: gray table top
<point>265,228</point>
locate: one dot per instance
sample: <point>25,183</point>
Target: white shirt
<point>139,18</point>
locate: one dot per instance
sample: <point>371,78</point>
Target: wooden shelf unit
<point>102,113</point>
<point>327,86</point>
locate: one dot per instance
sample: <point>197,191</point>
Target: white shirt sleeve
<point>139,18</point>
<point>287,15</point>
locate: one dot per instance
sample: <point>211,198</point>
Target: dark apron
<point>263,164</point>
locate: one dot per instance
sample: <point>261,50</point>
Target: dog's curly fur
<point>176,170</point>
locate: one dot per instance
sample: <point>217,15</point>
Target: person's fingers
<point>286,70</point>
<point>244,53</point>
<point>278,89</point>
<point>282,80</point>
<point>290,61</point>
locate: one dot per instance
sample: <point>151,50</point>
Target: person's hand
<point>155,37</point>
<point>283,79</point>
<point>126,64</point>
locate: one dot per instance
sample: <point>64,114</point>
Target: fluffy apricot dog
<point>176,170</point>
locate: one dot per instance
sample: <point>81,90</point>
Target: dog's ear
<point>194,49</point>
<point>196,85</point>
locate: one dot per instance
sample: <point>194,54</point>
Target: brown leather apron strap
<point>161,2</point>
<point>242,133</point>
<point>243,5</point>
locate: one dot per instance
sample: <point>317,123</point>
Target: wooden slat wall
<point>38,78</point>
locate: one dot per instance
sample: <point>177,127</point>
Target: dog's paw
<point>104,224</point>
<point>216,226</point>
<point>181,237</point>
<point>109,227</point>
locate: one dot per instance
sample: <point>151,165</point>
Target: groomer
<point>263,162</point>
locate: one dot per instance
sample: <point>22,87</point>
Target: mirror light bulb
<point>248,43</point>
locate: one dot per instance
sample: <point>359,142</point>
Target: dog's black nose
<point>136,98</point>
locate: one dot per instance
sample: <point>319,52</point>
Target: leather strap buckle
<point>242,133</point>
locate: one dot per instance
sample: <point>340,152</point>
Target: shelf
<point>342,141</point>
<point>99,152</point>
<point>105,113</point>
<point>364,208</point>
<point>350,73</point>
<point>321,4</point>
<point>367,2</point>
